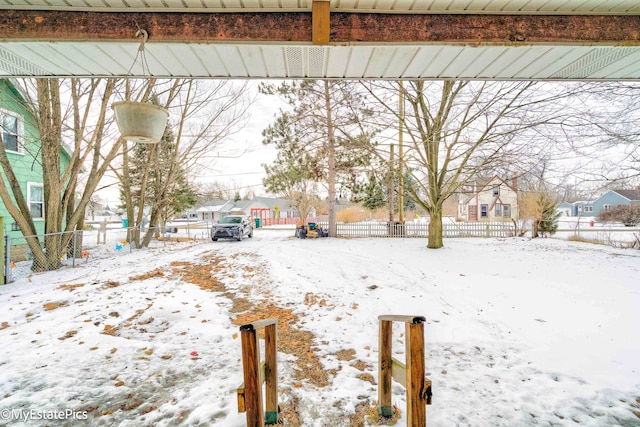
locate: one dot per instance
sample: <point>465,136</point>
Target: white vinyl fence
<point>415,229</point>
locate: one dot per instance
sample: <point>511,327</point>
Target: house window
<point>607,207</point>
<point>496,190</point>
<point>506,211</point>
<point>10,130</point>
<point>588,208</point>
<point>498,209</point>
<point>484,210</point>
<point>35,195</point>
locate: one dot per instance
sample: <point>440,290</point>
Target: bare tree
<point>458,130</point>
<point>207,113</point>
<point>71,118</point>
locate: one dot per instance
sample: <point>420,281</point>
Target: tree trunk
<point>331,141</point>
<point>435,228</point>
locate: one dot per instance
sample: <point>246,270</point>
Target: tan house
<point>489,200</point>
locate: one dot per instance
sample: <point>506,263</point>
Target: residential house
<point>214,210</point>
<point>21,143</point>
<point>606,201</point>
<point>565,209</point>
<point>255,207</point>
<point>281,211</point>
<point>269,209</point>
<point>582,208</point>
<point>489,200</point>
<point>613,198</point>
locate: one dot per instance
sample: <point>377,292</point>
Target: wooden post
<point>416,390</point>
<point>252,383</point>
<point>320,22</point>
<point>271,374</point>
<point>411,375</point>
<point>255,373</point>
<point>384,377</point>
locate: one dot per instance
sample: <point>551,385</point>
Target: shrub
<point>629,215</point>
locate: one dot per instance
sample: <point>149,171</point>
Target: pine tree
<point>546,223</point>
<point>373,194</point>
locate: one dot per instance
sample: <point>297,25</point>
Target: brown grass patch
<point>361,366</point>
<point>110,285</point>
<point>69,334</point>
<point>313,299</point>
<point>201,274</point>
<point>110,330</point>
<point>368,412</point>
<point>346,355</point>
<point>240,305</point>
<point>70,287</point>
<point>291,341</point>
<point>367,377</point>
<point>4,325</point>
<point>155,273</point>
<point>290,412</point>
<point>53,305</point>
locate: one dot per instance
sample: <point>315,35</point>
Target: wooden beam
<point>271,373</point>
<point>320,22</point>
<point>385,368</point>
<point>415,371</point>
<point>252,396</point>
<point>341,28</point>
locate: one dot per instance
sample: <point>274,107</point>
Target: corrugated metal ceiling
<point>386,6</point>
<point>387,61</point>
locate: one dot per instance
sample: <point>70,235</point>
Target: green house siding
<point>25,164</point>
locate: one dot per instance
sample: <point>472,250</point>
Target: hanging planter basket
<point>140,122</point>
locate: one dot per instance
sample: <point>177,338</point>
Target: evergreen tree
<point>323,132</point>
<point>546,222</point>
<point>371,194</point>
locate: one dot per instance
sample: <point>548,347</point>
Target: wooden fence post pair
<point>255,373</point>
<point>411,375</point>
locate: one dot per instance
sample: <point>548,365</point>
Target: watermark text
<point>35,414</point>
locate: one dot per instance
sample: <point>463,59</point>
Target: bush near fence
<point>416,229</point>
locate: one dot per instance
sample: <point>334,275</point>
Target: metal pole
<point>7,259</point>
<point>73,252</point>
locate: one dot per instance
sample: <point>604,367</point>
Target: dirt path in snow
<point>244,285</point>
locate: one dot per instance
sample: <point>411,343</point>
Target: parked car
<point>232,227</point>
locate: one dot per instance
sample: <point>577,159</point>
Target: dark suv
<point>232,227</point>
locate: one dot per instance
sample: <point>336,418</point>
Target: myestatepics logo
<point>34,414</point>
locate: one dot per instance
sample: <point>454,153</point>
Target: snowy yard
<point>519,332</point>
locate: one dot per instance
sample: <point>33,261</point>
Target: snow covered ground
<point>519,332</point>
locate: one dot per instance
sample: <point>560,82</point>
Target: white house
<point>489,200</point>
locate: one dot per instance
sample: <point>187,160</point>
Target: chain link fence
<point>28,254</point>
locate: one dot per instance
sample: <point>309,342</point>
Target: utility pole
<point>390,185</point>
<point>400,154</point>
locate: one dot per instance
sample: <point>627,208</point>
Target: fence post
<point>3,275</point>
<point>73,262</point>
<point>411,375</point>
<point>385,366</point>
<point>252,384</point>
<point>271,374</point>
<point>250,393</point>
<point>416,398</point>
<point>7,260</point>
